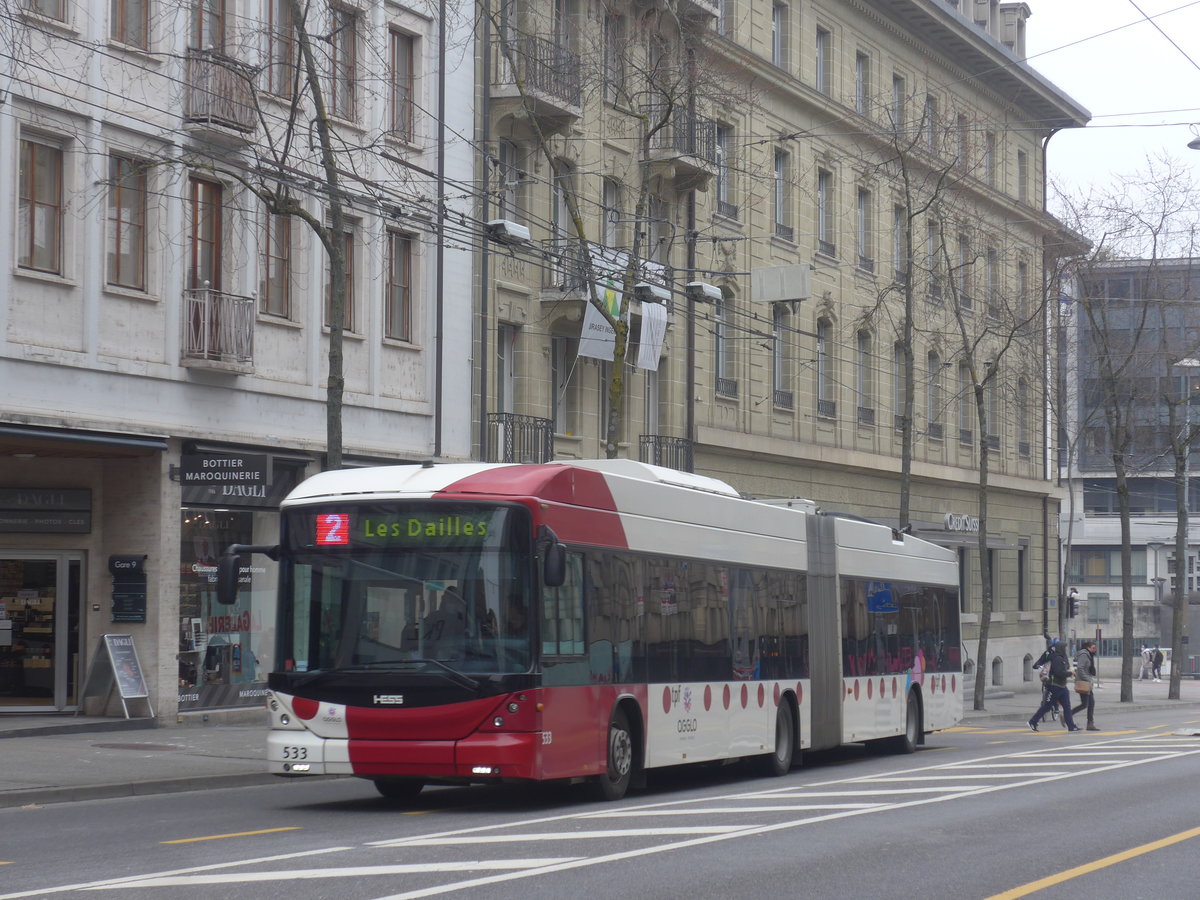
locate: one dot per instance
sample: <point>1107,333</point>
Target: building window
<point>966,300</point>
<point>933,262</point>
<point>929,123</point>
<point>899,382</point>
<point>208,25</point>
<point>899,102</point>
<point>205,228</point>
<point>900,242</point>
<point>826,240</point>
<point>401,58</point>
<point>348,322</point>
<point>933,394</point>
<point>129,22</point>
<point>126,238</point>
<point>1022,291</point>
<point>989,158</point>
<point>1022,176</point>
<point>781,356</point>
<point>725,17</point>
<point>661,230</point>
<point>779,36</point>
<point>610,232</point>
<point>864,378</point>
<point>562,365</point>
<point>992,288</point>
<point>864,231</point>
<point>51,9</point>
<point>726,385</point>
<point>991,399</point>
<point>281,64</point>
<point>614,58</point>
<point>343,63</point>
<point>862,83</point>
<point>509,175</point>
<point>783,212</point>
<point>966,405</point>
<point>826,405</point>
<point>398,314</point>
<point>823,61</point>
<point>1023,411</point>
<point>963,130</point>
<point>275,288</point>
<point>40,210</point>
<point>724,181</point>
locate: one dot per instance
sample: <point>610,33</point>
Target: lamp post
<point>1183,456</point>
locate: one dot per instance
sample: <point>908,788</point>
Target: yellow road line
<point>1086,869</point>
<point>218,837</point>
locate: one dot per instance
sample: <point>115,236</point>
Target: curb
<point>81,728</point>
<point>38,796</point>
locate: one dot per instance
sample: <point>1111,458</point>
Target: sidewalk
<point>54,759</point>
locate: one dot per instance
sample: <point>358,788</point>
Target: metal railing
<point>784,400</point>
<point>541,66</point>
<point>787,232</point>
<point>934,430</point>
<point>685,133</point>
<point>661,450</point>
<point>827,409</point>
<point>218,90</point>
<point>727,387</point>
<point>866,415</point>
<point>514,438</point>
<point>218,326</point>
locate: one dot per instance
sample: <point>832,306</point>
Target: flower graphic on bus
<point>687,699</point>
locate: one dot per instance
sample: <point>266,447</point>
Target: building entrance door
<point>39,631</point>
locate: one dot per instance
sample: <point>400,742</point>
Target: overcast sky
<point>1143,93</point>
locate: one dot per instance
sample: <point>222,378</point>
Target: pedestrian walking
<point>1144,671</point>
<point>1156,661</point>
<point>1060,671</point>
<point>1085,682</point>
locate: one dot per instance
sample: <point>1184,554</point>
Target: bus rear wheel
<point>907,742</point>
<point>399,788</point>
<point>619,769</point>
<point>779,762</point>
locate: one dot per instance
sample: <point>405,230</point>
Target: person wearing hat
<point>1060,671</point>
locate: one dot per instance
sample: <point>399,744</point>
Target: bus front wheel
<point>619,769</point>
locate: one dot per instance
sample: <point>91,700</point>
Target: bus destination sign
<point>419,527</point>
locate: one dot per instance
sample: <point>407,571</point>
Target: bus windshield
<point>402,585</point>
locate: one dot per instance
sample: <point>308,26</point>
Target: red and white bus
<point>468,623</point>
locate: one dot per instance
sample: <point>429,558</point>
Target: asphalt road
<point>984,811</point>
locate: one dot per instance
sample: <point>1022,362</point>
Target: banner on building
<point>654,333</point>
<point>598,339</point>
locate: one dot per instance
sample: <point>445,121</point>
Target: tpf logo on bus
<point>682,696</point>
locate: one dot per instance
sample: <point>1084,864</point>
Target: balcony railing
<point>218,327</point>
<point>547,71</point>
<point>827,409</point>
<point>966,437</point>
<point>784,400</point>
<point>671,452</point>
<point>934,430</point>
<point>687,140</point>
<point>827,248</point>
<point>514,438</point>
<point>218,91</point>
<point>787,232</point>
<point>727,387</point>
<point>866,415</point>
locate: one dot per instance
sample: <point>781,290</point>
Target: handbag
<point>1083,687</point>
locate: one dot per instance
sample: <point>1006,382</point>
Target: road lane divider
<point>236,834</point>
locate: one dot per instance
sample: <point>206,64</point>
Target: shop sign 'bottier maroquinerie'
<point>223,468</point>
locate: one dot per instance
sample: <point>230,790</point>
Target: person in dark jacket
<point>1085,671</point>
<point>1060,671</point>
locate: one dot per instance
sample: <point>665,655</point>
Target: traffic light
<point>1073,604</point>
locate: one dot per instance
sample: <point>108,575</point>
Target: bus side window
<point>562,612</point>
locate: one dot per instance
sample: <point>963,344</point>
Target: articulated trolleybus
<point>591,620</point>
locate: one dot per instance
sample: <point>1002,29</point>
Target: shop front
<point>225,652</point>
<point>39,630</point>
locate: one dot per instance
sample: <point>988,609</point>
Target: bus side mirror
<point>554,565</point>
<point>229,568</point>
<point>554,557</point>
<point>229,565</point>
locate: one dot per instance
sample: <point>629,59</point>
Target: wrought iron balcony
<point>934,430</point>
<point>671,452</point>
<point>686,144</point>
<point>545,71</point>
<point>784,399</point>
<point>866,415</point>
<point>514,438</point>
<point>827,409</point>
<point>218,92</point>
<point>727,387</point>
<point>218,328</point>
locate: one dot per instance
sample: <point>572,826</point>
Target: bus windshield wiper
<point>402,665</point>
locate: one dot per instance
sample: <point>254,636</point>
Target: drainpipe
<point>440,335</point>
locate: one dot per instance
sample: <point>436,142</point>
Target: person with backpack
<point>1060,671</point>
<point>1156,661</point>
